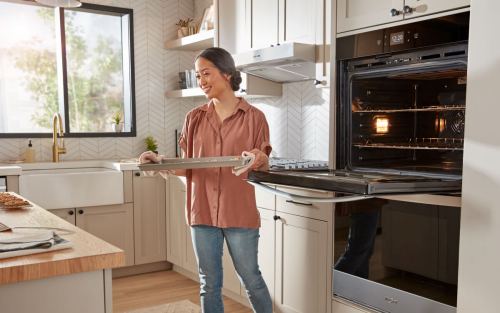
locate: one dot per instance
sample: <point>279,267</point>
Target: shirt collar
<point>242,105</point>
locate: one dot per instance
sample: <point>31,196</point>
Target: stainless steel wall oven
<point>399,130</point>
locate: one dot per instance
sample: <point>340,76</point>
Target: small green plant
<point>117,118</point>
<point>150,143</point>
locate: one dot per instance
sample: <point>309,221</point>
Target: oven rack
<point>424,109</point>
<point>419,144</point>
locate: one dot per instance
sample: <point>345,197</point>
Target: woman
<point>219,204</point>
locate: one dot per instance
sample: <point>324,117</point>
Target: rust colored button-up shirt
<point>215,196</point>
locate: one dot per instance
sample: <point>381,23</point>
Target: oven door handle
<point>307,199</point>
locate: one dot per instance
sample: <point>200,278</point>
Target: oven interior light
<point>382,125</point>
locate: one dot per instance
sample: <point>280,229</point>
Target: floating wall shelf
<point>194,42</point>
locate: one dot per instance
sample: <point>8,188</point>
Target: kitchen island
<point>74,280</point>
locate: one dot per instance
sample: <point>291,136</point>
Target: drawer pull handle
<point>276,217</point>
<point>300,203</point>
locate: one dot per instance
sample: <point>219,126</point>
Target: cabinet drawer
<point>316,210</point>
<point>265,200</point>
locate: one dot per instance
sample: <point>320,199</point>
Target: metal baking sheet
<point>178,163</point>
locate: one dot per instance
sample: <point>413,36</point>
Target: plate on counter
<point>210,162</point>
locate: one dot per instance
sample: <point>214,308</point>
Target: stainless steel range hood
<point>285,63</point>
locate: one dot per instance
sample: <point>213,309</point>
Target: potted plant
<point>117,126</point>
<point>183,27</point>
<point>151,144</point>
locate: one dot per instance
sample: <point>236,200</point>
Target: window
<point>76,62</point>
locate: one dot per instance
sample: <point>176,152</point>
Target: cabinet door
<point>189,261</point>
<point>264,23</point>
<point>111,223</point>
<point>149,218</point>
<point>175,222</point>
<point>356,14</point>
<point>297,21</point>
<point>424,7</point>
<point>301,258</point>
<point>235,25</point>
<point>266,256</point>
<point>66,214</point>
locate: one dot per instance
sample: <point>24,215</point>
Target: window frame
<point>61,50</point>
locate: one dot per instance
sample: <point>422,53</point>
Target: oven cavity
<point>409,122</point>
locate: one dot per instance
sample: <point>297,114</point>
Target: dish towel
<point>42,242</point>
<point>151,157</point>
<point>238,170</point>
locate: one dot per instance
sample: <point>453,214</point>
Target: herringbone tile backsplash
<point>298,121</point>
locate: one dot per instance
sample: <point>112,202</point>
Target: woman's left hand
<point>261,162</point>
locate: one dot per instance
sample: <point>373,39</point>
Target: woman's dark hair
<point>224,62</point>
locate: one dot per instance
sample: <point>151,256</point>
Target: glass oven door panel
<point>397,250</point>
<point>413,120</point>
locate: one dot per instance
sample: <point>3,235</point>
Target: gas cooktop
<point>285,164</point>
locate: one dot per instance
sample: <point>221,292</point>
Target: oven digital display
<point>397,38</point>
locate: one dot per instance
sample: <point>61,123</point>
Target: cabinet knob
<point>277,44</point>
<point>317,82</point>
<point>80,211</point>
<point>272,45</point>
<point>394,12</point>
<point>407,9</point>
<point>138,174</point>
<point>243,90</point>
<point>276,217</point>
<point>71,212</point>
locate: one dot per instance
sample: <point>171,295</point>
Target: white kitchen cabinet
<point>111,223</point>
<point>180,249</point>
<point>301,265</point>
<point>264,24</point>
<point>175,221</point>
<point>297,21</point>
<point>358,14</point>
<point>149,218</point>
<point>235,25</point>
<point>424,7</point>
<point>355,14</point>
<point>267,254</point>
<point>66,214</point>
<point>189,261</point>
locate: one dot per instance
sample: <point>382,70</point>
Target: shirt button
<point>218,142</point>
<point>215,189</point>
<point>216,174</point>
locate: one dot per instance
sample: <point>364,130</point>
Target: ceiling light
<point>61,3</point>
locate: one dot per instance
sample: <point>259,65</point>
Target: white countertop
<point>17,169</point>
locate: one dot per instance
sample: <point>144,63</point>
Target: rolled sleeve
<point>183,138</point>
<point>263,143</point>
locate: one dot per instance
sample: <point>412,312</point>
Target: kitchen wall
<point>298,120</point>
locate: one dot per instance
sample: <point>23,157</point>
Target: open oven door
<point>358,185</point>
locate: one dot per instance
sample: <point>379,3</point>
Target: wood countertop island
<point>77,279</point>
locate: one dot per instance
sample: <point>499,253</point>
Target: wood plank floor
<point>157,288</point>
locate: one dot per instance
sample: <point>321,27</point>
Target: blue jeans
<point>360,246</point>
<point>242,244</point>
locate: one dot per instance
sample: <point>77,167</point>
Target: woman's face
<point>210,79</point>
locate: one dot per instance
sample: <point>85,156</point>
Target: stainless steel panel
<point>386,299</point>
<point>284,63</point>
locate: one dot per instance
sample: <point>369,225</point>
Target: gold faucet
<point>55,147</point>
